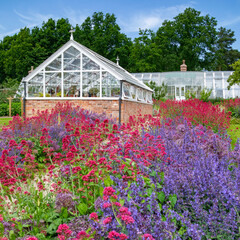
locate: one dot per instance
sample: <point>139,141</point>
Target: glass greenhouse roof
<point>76,71</point>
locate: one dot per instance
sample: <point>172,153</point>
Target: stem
<point>115,215</point>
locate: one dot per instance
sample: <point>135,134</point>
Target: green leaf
<point>108,181</point>
<point>82,208</point>
<point>12,235</point>
<point>161,196</point>
<point>1,229</point>
<point>153,174</point>
<point>149,192</point>
<point>173,199</point>
<point>64,212</point>
<point>181,231</point>
<point>122,201</point>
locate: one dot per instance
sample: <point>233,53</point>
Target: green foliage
<point>15,109</point>
<point>205,94</point>
<point>189,94</point>
<point>224,53</point>
<point>8,89</point>
<point>159,92</point>
<point>235,77</point>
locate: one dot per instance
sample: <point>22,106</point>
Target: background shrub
<point>4,109</point>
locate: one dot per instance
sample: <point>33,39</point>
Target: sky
<point>131,14</point>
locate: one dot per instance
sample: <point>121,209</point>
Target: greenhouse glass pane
<point>170,92</point>
<point>126,90</point>
<point>149,97</point>
<point>228,93</point>
<point>35,86</point>
<point>53,84</point>
<point>88,64</point>
<point>209,84</point>
<point>218,75</point>
<point>133,91</point>
<point>71,59</point>
<point>55,65</point>
<point>139,94</point>
<point>218,83</point>
<point>144,95</point>
<point>219,93</point>
<point>110,85</point>
<point>71,84</point>
<point>237,92</point>
<point>91,84</point>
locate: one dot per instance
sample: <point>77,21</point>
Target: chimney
<point>183,67</point>
<point>30,70</point>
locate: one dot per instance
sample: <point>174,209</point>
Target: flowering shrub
<point>197,112</point>
<point>72,174</point>
<point>232,105</point>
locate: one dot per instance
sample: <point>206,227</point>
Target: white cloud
<point>76,17</point>
<point>230,22</point>
<point>2,35</point>
<point>152,19</point>
<point>33,18</point>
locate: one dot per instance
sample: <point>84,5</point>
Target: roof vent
<point>183,67</point>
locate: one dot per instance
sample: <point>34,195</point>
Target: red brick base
<point>110,107</point>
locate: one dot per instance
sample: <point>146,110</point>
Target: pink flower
<point>147,236</point>
<point>113,234</point>
<point>107,220</point>
<point>93,216</point>
<point>32,238</point>
<point>82,234</point>
<point>108,191</point>
<point>106,205</point>
<point>127,219</point>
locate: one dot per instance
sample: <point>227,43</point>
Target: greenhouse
<point>76,73</point>
<point>179,83</point>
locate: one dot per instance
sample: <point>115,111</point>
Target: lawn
<point>4,121</point>
<point>234,130</point>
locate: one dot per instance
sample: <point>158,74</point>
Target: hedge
<point>4,109</point>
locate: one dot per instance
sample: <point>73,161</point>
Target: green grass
<point>234,130</point>
<point>4,121</point>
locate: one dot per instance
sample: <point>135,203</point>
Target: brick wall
<point>110,107</point>
<point>130,108</point>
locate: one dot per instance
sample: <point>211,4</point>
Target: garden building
<point>179,83</point>
<point>79,75</point>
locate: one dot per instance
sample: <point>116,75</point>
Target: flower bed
<point>72,174</point>
<point>195,111</point>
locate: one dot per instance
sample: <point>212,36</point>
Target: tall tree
<point>225,55</point>
<point>235,77</point>
<point>102,34</point>
<point>145,56</point>
<point>189,36</point>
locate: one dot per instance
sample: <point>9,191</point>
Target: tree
<point>189,36</point>
<point>225,55</point>
<point>159,92</point>
<point>145,56</point>
<point>102,34</point>
<point>235,77</point>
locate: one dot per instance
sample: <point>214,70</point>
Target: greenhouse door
<point>180,92</point>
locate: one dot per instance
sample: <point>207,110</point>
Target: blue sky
<point>131,14</point>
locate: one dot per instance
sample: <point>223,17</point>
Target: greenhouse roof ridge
<point>115,69</point>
